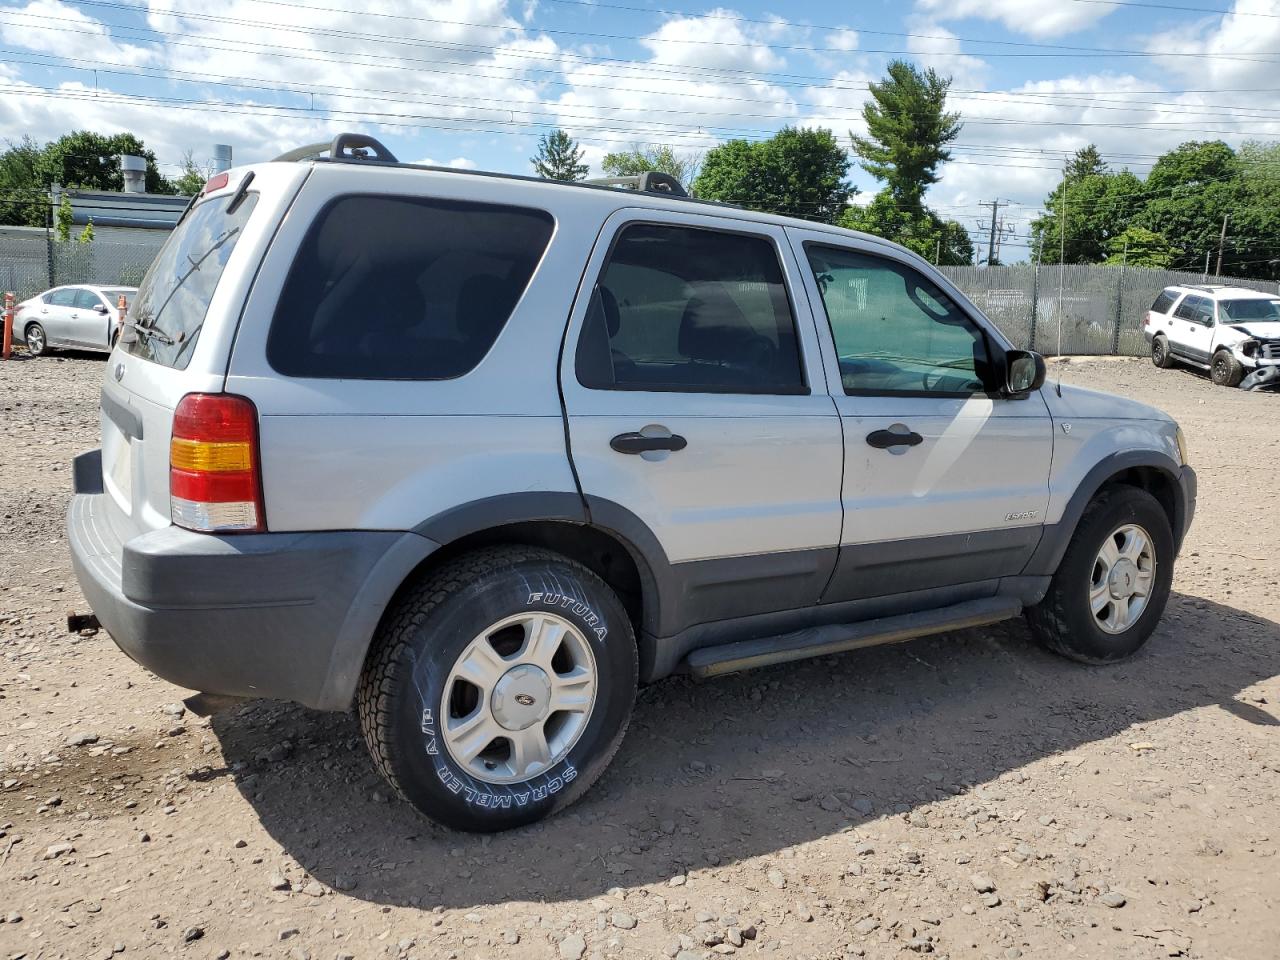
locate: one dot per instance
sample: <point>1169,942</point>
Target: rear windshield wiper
<point>151,332</point>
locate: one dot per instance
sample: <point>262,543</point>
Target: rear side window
<point>62,298</point>
<point>683,309</point>
<point>1164,301</point>
<point>403,288</point>
<point>1188,307</point>
<point>167,314</point>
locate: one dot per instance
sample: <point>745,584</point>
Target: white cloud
<point>714,40</point>
<point>76,37</point>
<point>1036,18</point>
<point>457,163</point>
<point>939,48</point>
<point>1244,47</point>
<point>842,39</point>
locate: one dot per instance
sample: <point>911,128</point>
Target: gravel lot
<point>961,796</point>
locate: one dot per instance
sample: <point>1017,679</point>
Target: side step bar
<point>836,638</point>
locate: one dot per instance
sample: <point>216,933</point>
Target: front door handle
<point>639,443</point>
<point>884,439</point>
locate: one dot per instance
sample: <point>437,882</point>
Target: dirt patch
<point>960,796</point>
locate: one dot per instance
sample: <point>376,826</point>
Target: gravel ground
<point>964,796</point>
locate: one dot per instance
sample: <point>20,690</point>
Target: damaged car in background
<point>1233,332</point>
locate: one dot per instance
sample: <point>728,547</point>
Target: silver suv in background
<point>1233,332</point>
<point>479,453</point>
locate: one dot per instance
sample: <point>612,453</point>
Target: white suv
<point>1233,332</point>
<point>477,454</point>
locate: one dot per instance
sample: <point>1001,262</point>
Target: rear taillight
<point>215,483</point>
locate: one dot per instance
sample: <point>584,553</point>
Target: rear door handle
<point>884,439</point>
<point>639,443</point>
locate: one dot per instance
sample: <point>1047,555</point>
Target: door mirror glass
<point>1025,371</point>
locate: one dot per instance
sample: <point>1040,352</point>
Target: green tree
<point>1087,162</point>
<point>63,219</point>
<point>193,177</point>
<point>1139,247</point>
<point>92,161</point>
<point>1256,220</point>
<point>921,231</point>
<point>662,158</point>
<point>796,172</point>
<point>1097,207</point>
<point>908,129</point>
<point>24,201</point>
<point>559,157</point>
<point>86,235</point>
<point>1190,189</point>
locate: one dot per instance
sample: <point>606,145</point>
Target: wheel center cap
<point>522,697</point>
<point>1124,576</point>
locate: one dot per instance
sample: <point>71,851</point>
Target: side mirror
<point>1024,372</point>
<point>100,308</point>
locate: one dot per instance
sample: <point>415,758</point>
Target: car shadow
<point>748,765</point>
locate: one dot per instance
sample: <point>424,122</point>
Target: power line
<point>1061,50</point>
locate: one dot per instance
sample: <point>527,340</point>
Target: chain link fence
<point>30,266</point>
<point>1076,309</point>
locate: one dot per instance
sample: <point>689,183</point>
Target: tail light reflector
<point>215,477</point>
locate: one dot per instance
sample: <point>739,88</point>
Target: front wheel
<point>1112,585</point>
<point>500,688</point>
<point>37,340</point>
<point>1226,370</point>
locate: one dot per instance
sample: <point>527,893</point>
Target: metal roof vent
<point>134,170</point>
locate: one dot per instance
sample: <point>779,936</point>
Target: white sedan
<point>81,317</point>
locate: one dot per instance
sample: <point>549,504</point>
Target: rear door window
<point>403,288</point>
<point>171,304</point>
<point>62,298</point>
<point>690,310</point>
<point>1188,308</point>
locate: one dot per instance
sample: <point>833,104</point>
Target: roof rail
<point>649,182</point>
<point>345,146</point>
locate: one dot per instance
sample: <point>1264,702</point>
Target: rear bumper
<point>287,616</point>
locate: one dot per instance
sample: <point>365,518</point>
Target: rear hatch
<point>179,331</point>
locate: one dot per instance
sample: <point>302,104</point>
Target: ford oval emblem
<point>119,372</point>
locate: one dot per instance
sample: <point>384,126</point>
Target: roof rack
<point>345,146</point>
<point>649,182</point>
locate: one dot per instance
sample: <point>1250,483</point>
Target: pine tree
<point>559,157</point>
<point>86,235</point>
<point>64,215</point>
<point>908,130</point>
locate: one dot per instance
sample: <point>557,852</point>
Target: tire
<point>1226,370</point>
<point>1160,352</point>
<point>472,620</point>
<point>1067,621</point>
<point>36,339</point>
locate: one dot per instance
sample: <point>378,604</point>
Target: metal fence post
<point>1035,302</point>
<point>1115,334</point>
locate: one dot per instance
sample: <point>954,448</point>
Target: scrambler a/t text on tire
<point>1113,583</point>
<point>499,688</point>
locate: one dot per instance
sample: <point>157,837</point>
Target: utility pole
<point>1222,240</point>
<point>1205,278</point>
<point>1062,253</point>
<point>995,206</point>
<point>937,252</point>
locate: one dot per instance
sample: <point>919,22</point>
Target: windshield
<point>165,317</point>
<point>1237,311</point>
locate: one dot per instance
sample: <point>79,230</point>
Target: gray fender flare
<point>1053,543</point>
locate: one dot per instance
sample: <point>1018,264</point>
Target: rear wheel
<point>1226,370</point>
<point>37,340</point>
<point>1160,352</point>
<point>1112,585</point>
<point>499,688</point>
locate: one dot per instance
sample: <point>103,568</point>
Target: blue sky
<point>473,82</point>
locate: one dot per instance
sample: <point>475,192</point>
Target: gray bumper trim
<point>288,616</point>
